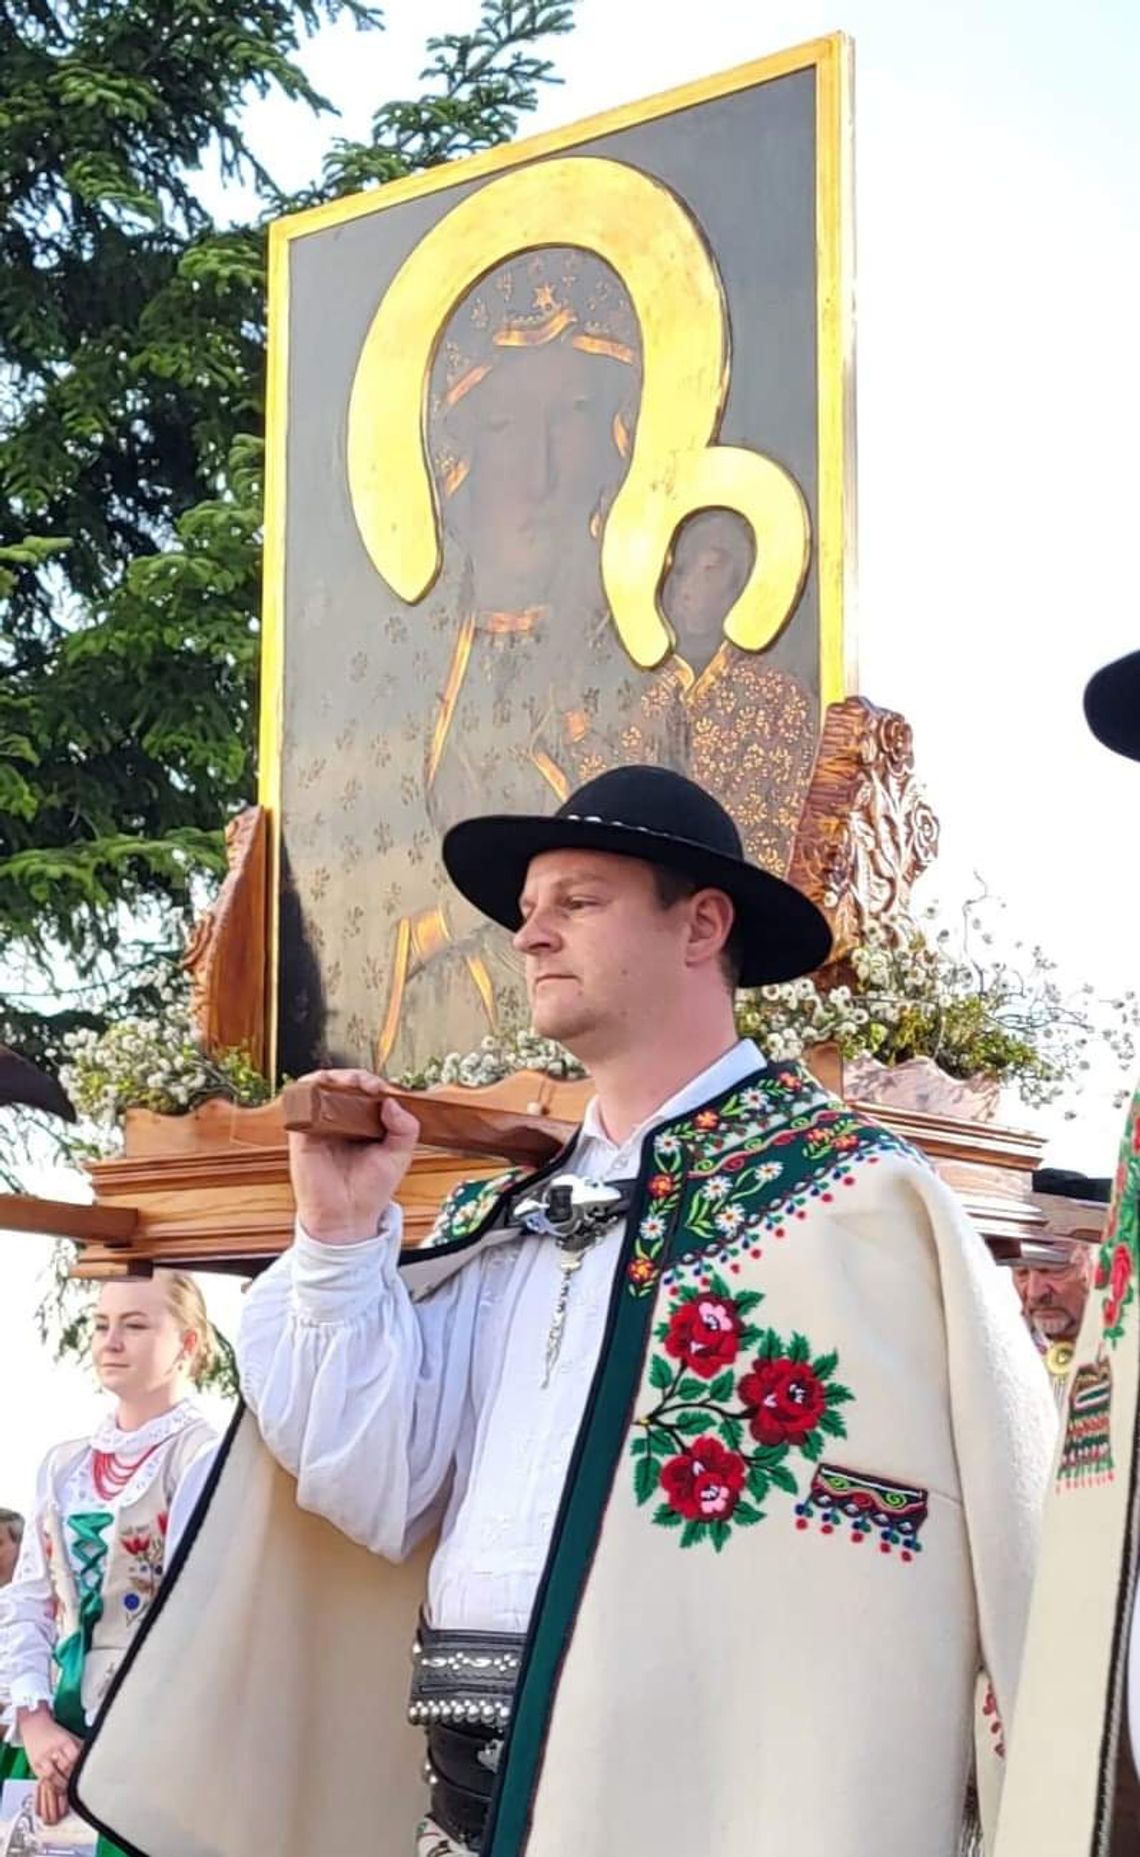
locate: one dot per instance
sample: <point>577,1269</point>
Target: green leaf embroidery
<point>646,1476</point>
<point>660,1373</point>
<point>759,1483</point>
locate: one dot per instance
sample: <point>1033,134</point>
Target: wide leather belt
<point>464,1676</point>
<point>461,1768</point>
<point>463,1686</point>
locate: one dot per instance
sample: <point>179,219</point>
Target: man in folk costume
<point>731,1432</point>
<point>1080,1672</point>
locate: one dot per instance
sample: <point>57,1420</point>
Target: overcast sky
<point>998,173</point>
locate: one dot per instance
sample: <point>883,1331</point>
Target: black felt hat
<point>1112,705</point>
<point>1063,1183</point>
<point>659,817</point>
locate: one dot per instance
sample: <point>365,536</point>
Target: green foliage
<point>132,330</point>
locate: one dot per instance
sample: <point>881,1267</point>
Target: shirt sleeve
<point>360,1394</point>
<point>27,1615</point>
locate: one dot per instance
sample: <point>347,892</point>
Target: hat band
<point>650,831</point>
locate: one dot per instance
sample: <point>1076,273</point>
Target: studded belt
<point>464,1676</point>
<point>463,1687</point>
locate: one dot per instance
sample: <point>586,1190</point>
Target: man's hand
<point>51,1750</point>
<point>343,1188</point>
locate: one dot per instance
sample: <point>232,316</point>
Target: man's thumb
<point>402,1127</point>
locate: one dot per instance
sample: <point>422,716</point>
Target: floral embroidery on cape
<point>468,1204</point>
<point>736,1404</point>
<point>732,1177</point>
<point>1118,1258</point>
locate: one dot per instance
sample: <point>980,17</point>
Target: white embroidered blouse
<point>159,1452</point>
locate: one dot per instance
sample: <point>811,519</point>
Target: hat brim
<point>1112,706</point>
<point>782,934</point>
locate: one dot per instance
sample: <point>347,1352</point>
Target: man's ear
<point>711,915</point>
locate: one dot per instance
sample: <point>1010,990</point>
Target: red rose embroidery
<point>705,1482</point>
<point>705,1335</point>
<point>1119,1275</point>
<point>136,1544</point>
<point>785,1399</point>
<point>660,1185</point>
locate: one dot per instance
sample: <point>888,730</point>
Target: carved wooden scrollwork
<point>226,955</point>
<point>866,832</point>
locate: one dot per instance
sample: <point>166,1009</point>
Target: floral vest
<point>105,1570</point>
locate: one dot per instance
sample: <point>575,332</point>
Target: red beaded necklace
<point>111,1473</point>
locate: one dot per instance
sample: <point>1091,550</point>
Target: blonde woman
<point>95,1544</point>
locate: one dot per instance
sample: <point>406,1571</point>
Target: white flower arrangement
<point>974,1013</point>
<point>150,1063</point>
<point>498,1055</point>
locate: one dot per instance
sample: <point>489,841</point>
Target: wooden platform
<point>210,1191</point>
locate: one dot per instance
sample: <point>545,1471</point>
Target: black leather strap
<point>462,1764</point>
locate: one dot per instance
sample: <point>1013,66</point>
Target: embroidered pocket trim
<point>842,1499</point>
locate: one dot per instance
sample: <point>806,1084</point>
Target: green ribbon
<point>90,1552</point>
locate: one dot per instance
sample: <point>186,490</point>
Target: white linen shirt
<point>395,1415</point>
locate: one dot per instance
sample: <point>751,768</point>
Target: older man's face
<point>1054,1300</point>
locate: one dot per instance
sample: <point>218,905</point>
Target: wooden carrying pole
<point>58,1218</point>
<point>461,1128</point>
